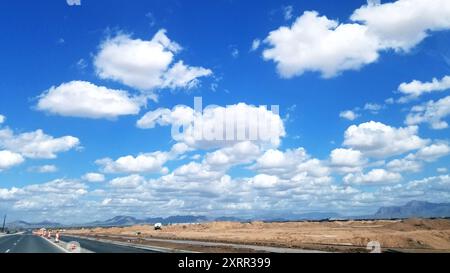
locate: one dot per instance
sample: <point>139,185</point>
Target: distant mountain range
<point>419,209</point>
<point>27,225</point>
<point>129,221</point>
<point>311,216</point>
<point>113,222</point>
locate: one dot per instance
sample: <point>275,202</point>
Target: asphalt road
<point>102,247</point>
<point>26,243</point>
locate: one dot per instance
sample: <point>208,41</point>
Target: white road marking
<point>7,251</point>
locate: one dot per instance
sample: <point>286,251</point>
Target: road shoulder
<point>62,245</point>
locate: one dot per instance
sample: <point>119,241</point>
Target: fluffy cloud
<point>146,65</point>
<point>179,115</point>
<point>86,100</point>
<point>294,165</point>
<point>293,174</point>
<point>131,181</point>
<point>194,172</point>
<point>9,159</point>
<point>313,169</point>
<point>192,192</point>
<point>210,129</point>
<point>240,153</point>
<point>51,196</point>
<point>380,140</point>
<point>204,181</point>
<point>347,158</point>
<point>432,112</point>
<point>315,43</point>
<point>36,144</point>
<point>407,164</point>
<point>183,76</point>
<point>94,177</point>
<point>417,88</point>
<point>73,2</point>
<point>198,188</point>
<point>429,188</point>
<point>376,176</point>
<point>152,162</point>
<point>414,162</point>
<point>433,152</point>
<point>2,119</point>
<point>348,114</point>
<point>373,107</point>
<point>143,163</point>
<point>318,44</point>
<point>276,159</point>
<point>403,24</point>
<point>264,181</point>
<point>44,169</point>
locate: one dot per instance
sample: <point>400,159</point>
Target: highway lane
<point>26,243</point>
<point>102,247</point>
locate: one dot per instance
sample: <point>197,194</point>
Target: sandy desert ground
<point>347,236</point>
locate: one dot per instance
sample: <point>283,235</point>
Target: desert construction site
<point>408,235</point>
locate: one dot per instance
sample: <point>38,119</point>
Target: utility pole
<point>4,222</point>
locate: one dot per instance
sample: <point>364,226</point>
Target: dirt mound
<point>223,225</point>
<point>406,234</point>
<point>420,224</point>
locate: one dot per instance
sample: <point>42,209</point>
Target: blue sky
<point>89,90</point>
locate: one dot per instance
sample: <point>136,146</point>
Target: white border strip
<point>55,244</point>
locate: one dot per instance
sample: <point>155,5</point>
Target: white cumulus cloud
<point>131,181</point>
<point>407,164</point>
<point>347,158</point>
<point>380,140</point>
<point>86,100</point>
<point>209,129</point>
<point>9,159</point>
<point>163,117</point>
<point>264,181</point>
<point>36,144</point>
<point>403,24</point>
<point>316,43</point>
<point>348,114</point>
<point>415,89</point>
<point>44,169</point>
<point>94,177</point>
<point>376,176</point>
<point>146,65</point>
<point>319,44</point>
<point>432,112</point>
<point>143,163</point>
<point>433,152</point>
